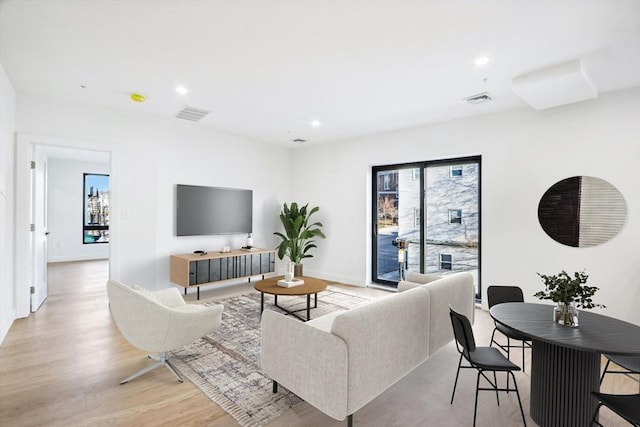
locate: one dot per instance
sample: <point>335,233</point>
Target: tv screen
<point>212,210</point>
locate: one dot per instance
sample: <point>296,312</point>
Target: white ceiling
<point>265,69</point>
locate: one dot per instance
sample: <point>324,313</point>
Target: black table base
<point>561,383</point>
<point>292,312</point>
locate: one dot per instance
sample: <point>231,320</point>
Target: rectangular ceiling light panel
<point>554,86</point>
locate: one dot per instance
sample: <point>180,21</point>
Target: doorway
<point>70,200</point>
<point>28,264</point>
<point>426,218</point>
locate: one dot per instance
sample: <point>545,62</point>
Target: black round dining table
<point>565,361</point>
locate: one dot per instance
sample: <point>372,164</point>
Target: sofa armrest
<point>308,361</point>
<point>413,280</point>
<point>457,291</point>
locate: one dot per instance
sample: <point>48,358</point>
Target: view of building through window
<point>432,214</point>
<point>96,208</point>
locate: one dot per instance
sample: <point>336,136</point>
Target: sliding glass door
<point>427,219</point>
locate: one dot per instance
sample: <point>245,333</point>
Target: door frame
<point>24,251</point>
<point>423,165</point>
<point>39,233</point>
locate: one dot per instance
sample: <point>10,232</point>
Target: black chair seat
<point>625,405</point>
<point>630,363</point>
<point>490,358</point>
<point>511,333</point>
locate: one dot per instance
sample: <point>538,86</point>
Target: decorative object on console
<point>299,234</point>
<point>582,211</point>
<point>569,294</point>
<point>249,241</point>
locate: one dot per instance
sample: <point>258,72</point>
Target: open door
<point>39,231</point>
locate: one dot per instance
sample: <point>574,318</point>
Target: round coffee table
<point>311,286</point>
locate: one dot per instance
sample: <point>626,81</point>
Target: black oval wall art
<point>582,211</point>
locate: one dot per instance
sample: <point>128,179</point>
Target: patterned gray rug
<point>225,365</point>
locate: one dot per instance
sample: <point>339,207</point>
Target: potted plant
<point>298,235</point>
<point>569,293</point>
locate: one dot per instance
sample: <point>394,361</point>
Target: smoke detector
<point>479,98</point>
<point>191,114</point>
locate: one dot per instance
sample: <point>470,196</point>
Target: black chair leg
<point>495,382</point>
<point>456,381</point>
<point>475,405</point>
<point>518,395</point>
<point>508,353</point>
<point>275,387</point>
<point>605,371</point>
<point>594,419</point>
<point>350,421</point>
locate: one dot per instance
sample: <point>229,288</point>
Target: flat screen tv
<point>213,210</point>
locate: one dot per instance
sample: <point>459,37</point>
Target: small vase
<point>288,275</point>
<point>297,270</point>
<point>566,314</point>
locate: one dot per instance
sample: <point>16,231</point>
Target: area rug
<point>225,365</point>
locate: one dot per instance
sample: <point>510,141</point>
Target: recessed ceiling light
<point>182,90</point>
<point>315,123</point>
<point>483,60</point>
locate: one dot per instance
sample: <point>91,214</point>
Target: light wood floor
<point>62,366</point>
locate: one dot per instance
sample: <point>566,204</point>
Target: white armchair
<point>159,321</point>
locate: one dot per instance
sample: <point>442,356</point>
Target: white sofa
<point>341,361</point>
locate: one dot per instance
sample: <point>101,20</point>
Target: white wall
<point>7,223</point>
<point>149,157</point>
<point>66,199</point>
<point>523,152</point>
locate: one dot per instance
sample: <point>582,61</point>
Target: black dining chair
<point>626,406</point>
<point>629,364</point>
<point>483,359</point>
<point>498,295</point>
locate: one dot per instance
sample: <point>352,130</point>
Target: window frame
<point>89,227</point>
<point>442,262</point>
<point>457,218</point>
<point>455,168</point>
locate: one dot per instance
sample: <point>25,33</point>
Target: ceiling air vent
<point>191,114</point>
<point>479,98</point>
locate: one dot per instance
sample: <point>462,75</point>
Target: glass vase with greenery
<point>569,293</point>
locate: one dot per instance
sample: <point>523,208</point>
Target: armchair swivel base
<point>161,359</point>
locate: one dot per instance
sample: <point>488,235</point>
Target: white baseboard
<point>76,258</point>
<point>5,325</point>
